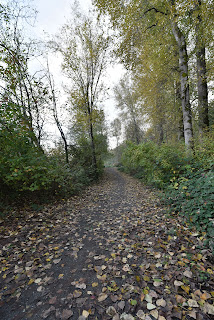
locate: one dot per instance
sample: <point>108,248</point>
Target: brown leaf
<point>66,314</point>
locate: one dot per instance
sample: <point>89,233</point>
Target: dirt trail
<point>111,253</point>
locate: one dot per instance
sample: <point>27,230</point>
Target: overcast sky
<point>52,14</point>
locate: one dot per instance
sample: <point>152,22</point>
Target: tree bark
<point>94,159</point>
<point>178,103</point>
<point>203,109</point>
<point>185,98</point>
<point>202,90</point>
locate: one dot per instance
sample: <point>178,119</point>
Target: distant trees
<point>127,101</point>
<point>116,130</point>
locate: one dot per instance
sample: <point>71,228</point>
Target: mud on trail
<point>111,253</point>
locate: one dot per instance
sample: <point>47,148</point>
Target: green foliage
<point>204,148</point>
<point>188,183</point>
<point>152,163</point>
<point>192,195</point>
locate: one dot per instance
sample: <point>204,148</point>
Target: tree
<point>116,131</point>
<point>135,22</point>
<point>127,102</point>
<point>55,112</point>
<point>84,45</point>
<point>18,87</point>
<point>203,108</point>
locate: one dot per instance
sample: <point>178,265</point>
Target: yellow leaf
<point>210,271</point>
<point>146,278</point>
<point>181,263</point>
<point>103,277</point>
<point>94,284</point>
<point>61,276</point>
<point>145,291</point>
<point>31,281</point>
<point>56,248</point>
<point>85,313</point>
<point>186,289</point>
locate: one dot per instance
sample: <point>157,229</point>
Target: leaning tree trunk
<point>185,98</point>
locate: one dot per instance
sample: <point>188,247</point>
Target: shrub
<point>192,195</point>
<point>188,183</point>
<point>152,163</point>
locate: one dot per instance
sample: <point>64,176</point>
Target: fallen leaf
<point>77,293</point>
<point>133,302</point>
<point>150,306</point>
<point>85,313</point>
<point>188,274</point>
<point>121,305</point>
<point>192,303</point>
<point>102,297</point>
<point>161,303</point>
<point>208,308</point>
<point>66,314</point>
<point>126,268</point>
<point>148,298</point>
<point>186,289</point>
<point>126,316</point>
<point>178,283</point>
<point>94,284</point>
<point>192,314</point>
<point>141,315</point>
<point>154,313</point>
<point>111,311</point>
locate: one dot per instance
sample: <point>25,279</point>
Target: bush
<point>192,195</point>
<point>152,163</point>
<point>188,183</point>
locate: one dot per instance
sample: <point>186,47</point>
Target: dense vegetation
<point>187,183</point>
<point>30,104</point>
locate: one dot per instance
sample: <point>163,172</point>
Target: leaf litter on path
<point>111,253</point>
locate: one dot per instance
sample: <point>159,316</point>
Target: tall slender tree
<point>84,44</point>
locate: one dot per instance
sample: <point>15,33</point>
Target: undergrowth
<point>187,182</point>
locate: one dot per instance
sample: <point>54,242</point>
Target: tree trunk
<point>201,77</point>
<point>178,103</point>
<point>94,159</point>
<point>91,133</point>
<point>202,90</point>
<point>185,99</point>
